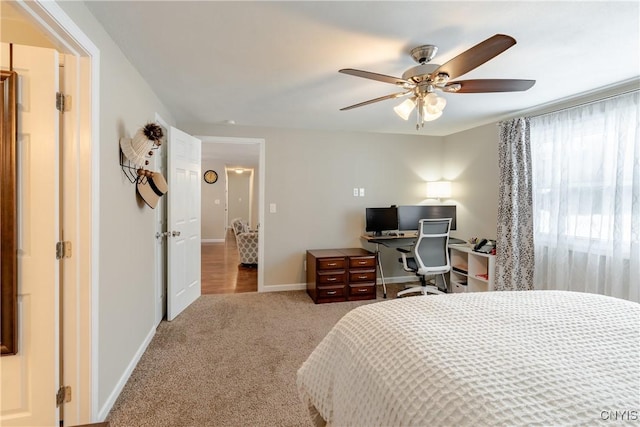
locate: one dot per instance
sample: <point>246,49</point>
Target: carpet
<point>229,360</point>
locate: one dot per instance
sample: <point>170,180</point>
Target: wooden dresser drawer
<point>332,264</point>
<point>362,290</point>
<point>362,276</point>
<point>331,291</point>
<point>362,262</point>
<point>333,277</point>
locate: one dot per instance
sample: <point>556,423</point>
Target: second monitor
<point>408,216</point>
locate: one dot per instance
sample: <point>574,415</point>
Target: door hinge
<point>63,250</point>
<point>63,102</point>
<point>63,395</point>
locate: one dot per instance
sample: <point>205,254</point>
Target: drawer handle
<point>332,292</point>
<point>363,290</point>
<point>362,277</point>
<point>362,262</point>
<point>332,264</point>
<point>331,279</point>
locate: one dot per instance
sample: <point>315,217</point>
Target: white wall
<point>126,240</point>
<point>213,224</point>
<point>310,176</point>
<point>239,195</point>
<point>471,163</point>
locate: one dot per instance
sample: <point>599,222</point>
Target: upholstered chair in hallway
<point>247,242</point>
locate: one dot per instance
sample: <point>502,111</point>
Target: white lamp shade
<point>405,108</point>
<point>429,116</point>
<point>438,189</point>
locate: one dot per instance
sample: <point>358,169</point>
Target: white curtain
<point>586,198</point>
<point>514,244</point>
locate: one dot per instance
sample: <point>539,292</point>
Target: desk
<point>395,241</point>
<point>471,271</point>
<point>390,241</point>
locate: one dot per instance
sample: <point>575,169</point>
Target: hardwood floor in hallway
<point>222,272</point>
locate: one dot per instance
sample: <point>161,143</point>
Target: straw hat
<point>152,188</point>
<point>136,149</point>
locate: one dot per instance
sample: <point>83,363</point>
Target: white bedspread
<point>496,358</point>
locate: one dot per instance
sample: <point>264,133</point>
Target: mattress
<point>494,358</point>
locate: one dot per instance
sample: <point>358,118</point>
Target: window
<point>586,190</point>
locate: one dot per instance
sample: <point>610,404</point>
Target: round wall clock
<point>210,176</point>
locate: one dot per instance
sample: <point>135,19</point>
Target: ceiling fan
<point>423,80</point>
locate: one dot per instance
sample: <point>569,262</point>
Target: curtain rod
<point>585,103</point>
<point>628,86</point>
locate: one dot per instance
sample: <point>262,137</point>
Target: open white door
<point>30,378</point>
<point>183,218</point>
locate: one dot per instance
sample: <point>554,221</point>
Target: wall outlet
<point>272,208</point>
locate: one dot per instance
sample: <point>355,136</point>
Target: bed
<point>494,358</point>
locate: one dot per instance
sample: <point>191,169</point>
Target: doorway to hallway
<point>222,272</point>
<point>231,158</point>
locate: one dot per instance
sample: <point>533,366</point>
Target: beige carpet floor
<point>229,360</point>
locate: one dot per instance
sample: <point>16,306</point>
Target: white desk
<point>470,271</point>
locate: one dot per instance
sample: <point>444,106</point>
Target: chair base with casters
<point>425,287</point>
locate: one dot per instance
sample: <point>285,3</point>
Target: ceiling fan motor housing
<point>423,54</point>
<point>419,72</point>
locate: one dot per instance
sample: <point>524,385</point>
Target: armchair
<point>246,241</point>
<point>430,255</point>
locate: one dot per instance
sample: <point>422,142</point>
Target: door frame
<point>82,339</point>
<point>160,295</point>
<point>261,186</point>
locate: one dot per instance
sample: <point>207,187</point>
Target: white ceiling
<point>276,63</point>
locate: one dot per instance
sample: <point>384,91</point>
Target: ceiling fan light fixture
<point>434,104</point>
<point>405,108</point>
<point>424,79</point>
<point>428,117</point>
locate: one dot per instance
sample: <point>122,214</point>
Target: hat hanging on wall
<point>152,188</point>
<point>137,149</point>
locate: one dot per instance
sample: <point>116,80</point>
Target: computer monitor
<point>408,216</point>
<point>381,219</point>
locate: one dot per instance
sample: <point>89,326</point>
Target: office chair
<point>430,255</point>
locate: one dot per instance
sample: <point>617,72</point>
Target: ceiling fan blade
<point>375,76</point>
<point>475,56</point>
<point>489,85</point>
<point>371,101</point>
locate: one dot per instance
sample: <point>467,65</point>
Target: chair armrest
<point>405,264</point>
<point>403,250</point>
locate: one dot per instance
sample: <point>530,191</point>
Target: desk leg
<point>384,286</point>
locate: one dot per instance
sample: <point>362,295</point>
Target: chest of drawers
<point>335,275</point>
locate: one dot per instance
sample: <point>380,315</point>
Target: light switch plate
<point>362,192</point>
<point>355,192</point>
<point>272,207</point>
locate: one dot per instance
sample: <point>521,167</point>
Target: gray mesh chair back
<point>430,255</point>
<point>431,251</point>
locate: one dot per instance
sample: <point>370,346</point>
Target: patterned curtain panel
<point>514,245</point>
<point>586,174</point>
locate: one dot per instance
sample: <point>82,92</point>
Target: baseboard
<point>290,287</point>
<point>303,286</point>
<point>211,240</point>
<point>106,408</point>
